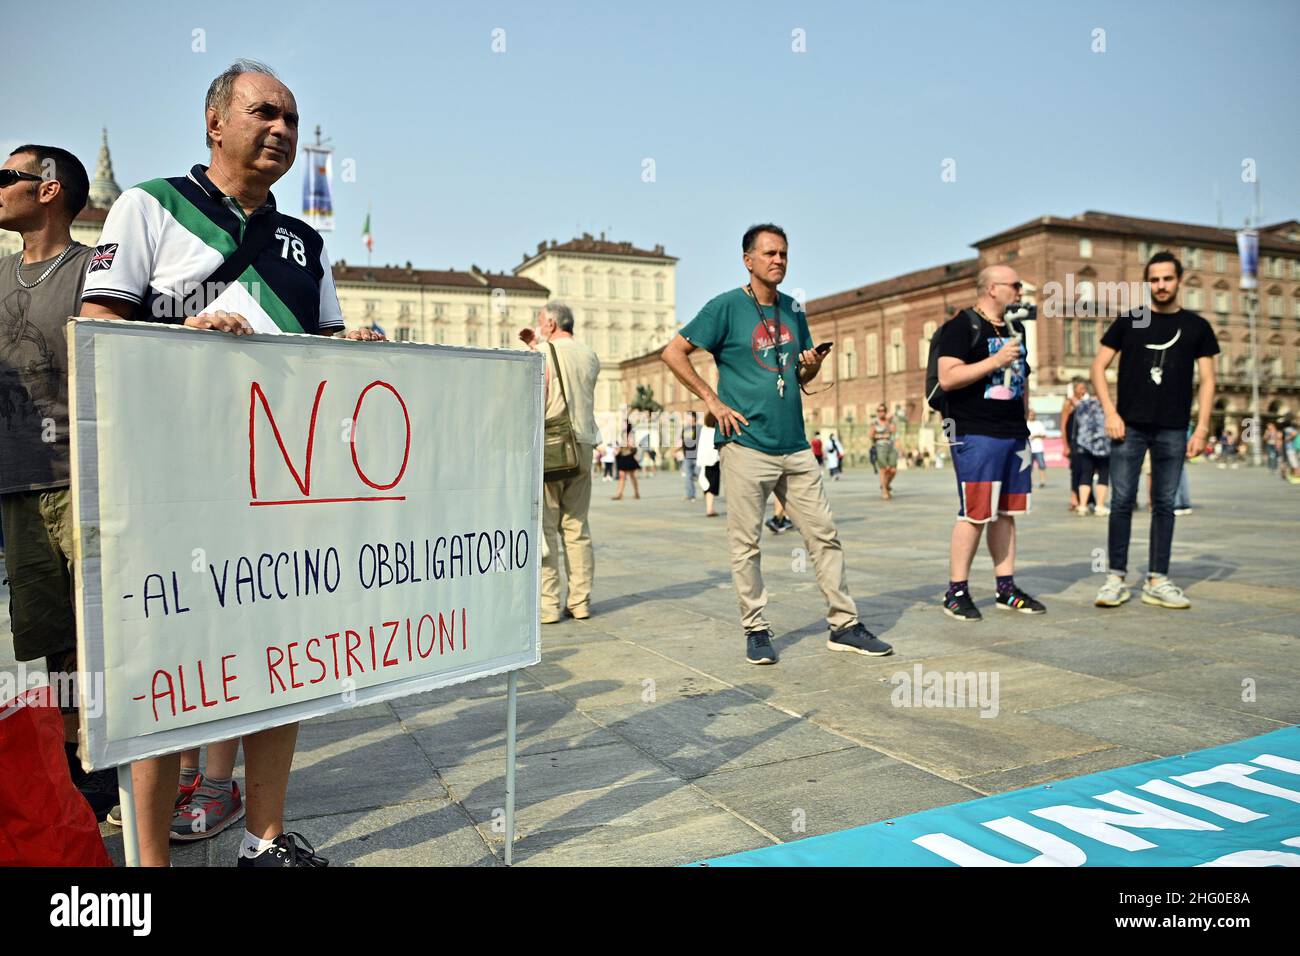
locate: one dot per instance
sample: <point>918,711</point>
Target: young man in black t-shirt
<point>984,378</point>
<point>1157,350</point>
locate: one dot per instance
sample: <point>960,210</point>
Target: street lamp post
<point>1248,253</point>
<point>1252,307</point>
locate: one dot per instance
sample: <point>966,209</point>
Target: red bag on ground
<point>44,821</point>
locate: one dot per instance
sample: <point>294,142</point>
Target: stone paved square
<point>646,739</point>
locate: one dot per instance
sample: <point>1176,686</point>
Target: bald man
<point>984,376</point>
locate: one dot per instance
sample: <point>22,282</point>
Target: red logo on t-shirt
<point>767,355</point>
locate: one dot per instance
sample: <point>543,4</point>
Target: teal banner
<point>1235,805</point>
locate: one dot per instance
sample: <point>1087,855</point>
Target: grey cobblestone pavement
<point>645,737</point>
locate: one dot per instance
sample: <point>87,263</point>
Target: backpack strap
<point>555,360</point>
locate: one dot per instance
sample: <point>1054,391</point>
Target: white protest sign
<point>276,527</point>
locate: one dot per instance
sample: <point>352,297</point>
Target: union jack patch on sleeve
<point>103,257</point>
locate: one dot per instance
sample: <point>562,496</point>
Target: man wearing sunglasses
<point>42,189</point>
<point>984,376</point>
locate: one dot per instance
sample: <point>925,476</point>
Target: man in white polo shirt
<point>167,247</point>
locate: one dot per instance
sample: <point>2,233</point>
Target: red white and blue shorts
<point>992,472</point>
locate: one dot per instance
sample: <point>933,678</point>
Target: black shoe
<point>99,787</point>
<point>960,606</point>
<point>1015,599</point>
<point>774,526</point>
<point>758,647</point>
<point>289,849</point>
<point>858,639</point>
<point>786,523</point>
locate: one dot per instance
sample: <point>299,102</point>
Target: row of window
<point>895,354</point>
<point>613,288</point>
<point>373,308</point>
<point>588,319</point>
<point>1193,298</point>
<point>439,310</point>
<point>607,344</point>
<point>1271,266</point>
<point>504,337</point>
<point>591,319</point>
<point>1271,362</point>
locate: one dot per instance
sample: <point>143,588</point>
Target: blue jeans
<point>692,475</point>
<point>1168,447</point>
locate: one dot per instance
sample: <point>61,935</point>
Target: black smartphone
<point>823,348</point>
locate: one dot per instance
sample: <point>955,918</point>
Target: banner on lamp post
<point>1248,252</point>
<point>317,203</point>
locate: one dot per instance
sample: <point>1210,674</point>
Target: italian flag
<point>366,237</point>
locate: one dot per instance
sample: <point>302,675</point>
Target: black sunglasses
<point>10,176</point>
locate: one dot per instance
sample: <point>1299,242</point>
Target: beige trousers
<point>749,477</point>
<point>564,518</point>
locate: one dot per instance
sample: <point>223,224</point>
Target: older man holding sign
<point>168,250</point>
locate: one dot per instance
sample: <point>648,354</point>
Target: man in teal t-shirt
<point>760,341</point>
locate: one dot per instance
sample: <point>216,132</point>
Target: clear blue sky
<point>470,156</point>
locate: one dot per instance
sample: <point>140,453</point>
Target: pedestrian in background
<point>883,429</point>
<point>571,371</point>
<point>710,466</point>
<point>1037,432</point>
<point>1090,454</point>
<point>834,457</point>
<point>627,464</point>
<point>689,452</point>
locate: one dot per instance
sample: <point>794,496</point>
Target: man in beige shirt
<point>567,501</point>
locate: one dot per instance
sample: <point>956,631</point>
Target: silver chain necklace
<point>18,268</point>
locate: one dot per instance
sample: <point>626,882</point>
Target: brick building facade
<point>1080,271</point>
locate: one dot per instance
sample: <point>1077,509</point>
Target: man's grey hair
<point>222,89</point>
<point>560,314</point>
<point>984,278</point>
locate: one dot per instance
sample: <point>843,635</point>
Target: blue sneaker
<point>859,640</point>
<point>758,647</point>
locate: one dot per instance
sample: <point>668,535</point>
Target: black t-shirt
<point>994,405</point>
<point>1156,359</point>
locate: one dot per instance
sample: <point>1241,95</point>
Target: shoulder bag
<point>560,461</point>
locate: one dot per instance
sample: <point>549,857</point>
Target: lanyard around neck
<point>774,330</point>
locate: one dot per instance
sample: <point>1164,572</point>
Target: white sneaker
<point>1182,511</point>
<point>1113,593</point>
<point>1082,511</point>
<point>1164,593</point>
<point>1102,511</point>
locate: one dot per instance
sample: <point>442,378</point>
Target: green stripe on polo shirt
<point>272,303</point>
<point>212,235</point>
<point>189,216</point>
